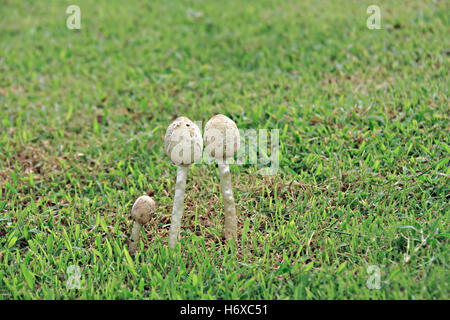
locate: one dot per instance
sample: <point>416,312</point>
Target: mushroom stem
<point>134,238</point>
<point>178,204</point>
<point>229,206</point>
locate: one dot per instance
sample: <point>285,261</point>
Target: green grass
<point>364,165</point>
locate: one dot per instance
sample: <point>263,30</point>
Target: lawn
<point>358,209</point>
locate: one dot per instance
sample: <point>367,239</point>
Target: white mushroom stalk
<point>183,145</point>
<point>141,213</point>
<point>222,141</point>
<point>229,206</point>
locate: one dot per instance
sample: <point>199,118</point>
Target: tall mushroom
<point>141,213</point>
<point>183,145</point>
<point>222,141</point>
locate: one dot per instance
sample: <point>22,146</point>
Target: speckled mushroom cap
<point>143,209</point>
<point>222,139</point>
<point>183,142</point>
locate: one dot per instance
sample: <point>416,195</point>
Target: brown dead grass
<point>30,159</point>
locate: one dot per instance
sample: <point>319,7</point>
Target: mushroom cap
<point>222,139</point>
<point>183,142</point>
<point>142,209</point>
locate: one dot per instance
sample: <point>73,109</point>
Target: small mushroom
<point>141,213</point>
<point>183,145</point>
<point>222,141</point>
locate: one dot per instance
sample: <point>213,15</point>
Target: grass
<point>364,149</point>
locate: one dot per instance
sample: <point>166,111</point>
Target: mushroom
<point>222,141</point>
<point>141,212</point>
<point>183,145</point>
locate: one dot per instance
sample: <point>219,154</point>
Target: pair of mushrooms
<point>183,144</point>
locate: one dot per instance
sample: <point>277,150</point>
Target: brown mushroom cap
<point>183,142</point>
<point>142,209</point>
<point>222,139</point>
